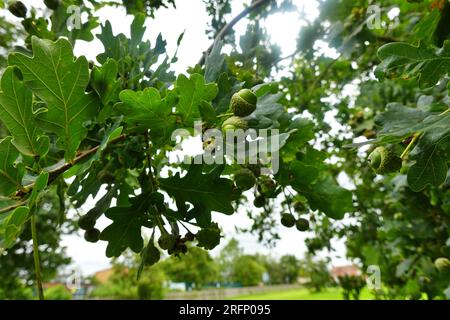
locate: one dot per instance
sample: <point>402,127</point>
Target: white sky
<point>190,16</point>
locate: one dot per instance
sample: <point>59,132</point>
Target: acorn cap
<point>243,103</point>
<point>244,179</point>
<point>234,123</point>
<point>442,264</point>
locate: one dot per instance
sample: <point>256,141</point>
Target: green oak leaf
<point>424,30</point>
<point>10,175</point>
<point>125,230</point>
<point>16,112</point>
<point>267,113</point>
<point>209,238</point>
<point>146,109</point>
<point>56,78</point>
<point>105,83</point>
<point>113,132</point>
<point>431,155</point>
<point>193,92</point>
<point>405,60</point>
<point>214,62</point>
<point>327,196</point>
<point>302,174</point>
<point>208,190</point>
<point>115,46</point>
<point>400,121</point>
<point>12,226</point>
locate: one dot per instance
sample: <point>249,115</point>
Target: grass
<point>302,294</point>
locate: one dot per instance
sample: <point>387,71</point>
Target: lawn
<point>302,294</point>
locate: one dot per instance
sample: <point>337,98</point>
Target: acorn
<point>244,179</point>
<point>167,241</point>
<point>189,236</point>
<point>18,9</point>
<point>92,235</point>
<point>302,224</point>
<point>52,4</point>
<point>152,255</point>
<point>234,123</point>
<point>86,222</point>
<point>243,102</point>
<point>105,176</point>
<point>299,207</point>
<point>442,264</point>
<point>259,201</point>
<point>287,220</point>
<point>383,160</point>
<point>267,187</point>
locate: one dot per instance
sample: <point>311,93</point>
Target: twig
<point>228,27</point>
<point>54,174</point>
<point>37,265</point>
<point>410,145</point>
<point>12,207</point>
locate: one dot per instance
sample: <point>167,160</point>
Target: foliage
<point>123,284</point>
<point>247,271</point>
<point>57,106</point>
<point>317,273</point>
<point>196,268</point>
<point>352,286</point>
<point>17,273</point>
<point>76,119</point>
<point>58,292</point>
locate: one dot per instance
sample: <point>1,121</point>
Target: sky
<point>190,17</point>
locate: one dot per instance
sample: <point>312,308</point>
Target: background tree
<point>196,269</point>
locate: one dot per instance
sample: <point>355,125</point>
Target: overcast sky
<point>190,16</point>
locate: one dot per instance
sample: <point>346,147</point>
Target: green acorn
<point>105,176</point>
<point>442,264</point>
<point>243,102</point>
<point>86,222</point>
<point>267,187</point>
<point>383,160</point>
<point>259,201</point>
<point>189,236</point>
<point>167,241</point>
<point>152,255</point>
<point>234,123</point>
<point>287,220</point>
<point>18,9</point>
<point>302,224</point>
<point>244,179</point>
<point>52,4</point>
<point>92,235</point>
<point>299,207</point>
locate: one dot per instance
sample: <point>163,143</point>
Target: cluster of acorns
<point>18,9</point>
<point>288,220</point>
<point>175,244</point>
<point>87,223</point>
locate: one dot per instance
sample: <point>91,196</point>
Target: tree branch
<point>54,174</point>
<point>228,27</point>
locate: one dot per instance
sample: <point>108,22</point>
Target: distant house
<point>103,275</point>
<point>349,270</point>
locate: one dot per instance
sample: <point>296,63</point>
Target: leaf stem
<point>410,145</point>
<point>225,115</point>
<point>445,112</point>
<point>37,265</point>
